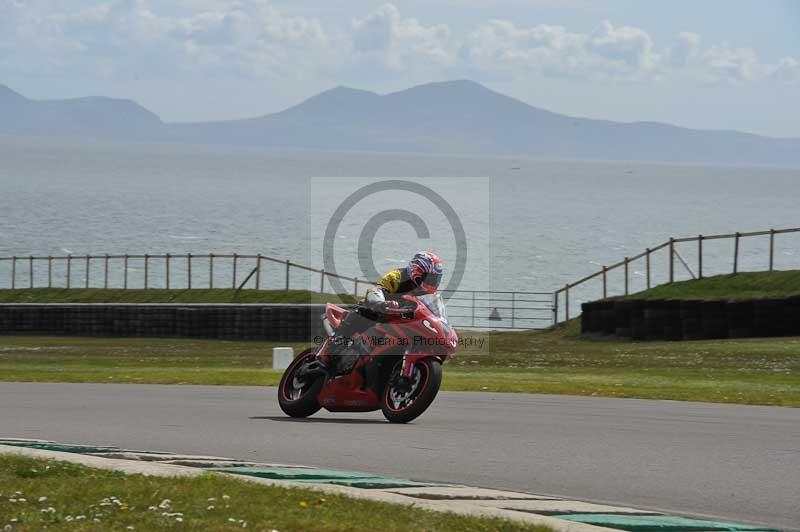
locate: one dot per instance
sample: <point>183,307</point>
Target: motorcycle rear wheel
<point>298,397</point>
<point>400,406</point>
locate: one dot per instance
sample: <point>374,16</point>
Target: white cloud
<point>254,39</point>
<point>787,70</point>
<point>249,38</point>
<point>724,63</point>
<point>685,49</point>
<point>386,38</point>
<point>607,53</point>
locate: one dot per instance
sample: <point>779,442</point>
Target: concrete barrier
<point>282,357</point>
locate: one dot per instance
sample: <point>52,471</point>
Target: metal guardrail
<point>81,265</point>
<point>672,255</point>
<point>482,309</point>
<point>487,309</point>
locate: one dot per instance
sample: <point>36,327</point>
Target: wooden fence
<point>81,265</point>
<point>673,256</point>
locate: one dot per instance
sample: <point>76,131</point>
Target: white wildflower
<point>80,517</point>
<point>165,503</point>
<point>68,518</point>
<point>129,527</point>
<point>226,498</point>
<point>7,528</point>
<point>212,499</point>
<point>22,500</point>
<point>210,507</point>
<point>12,500</point>
<point>42,499</point>
<point>179,519</point>
<point>152,508</point>
<point>231,520</point>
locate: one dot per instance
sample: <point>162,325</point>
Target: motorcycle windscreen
<point>435,303</point>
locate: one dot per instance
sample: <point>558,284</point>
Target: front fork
<point>407,370</point>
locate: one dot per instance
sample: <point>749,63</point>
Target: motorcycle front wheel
<point>406,399</point>
<point>297,397</point>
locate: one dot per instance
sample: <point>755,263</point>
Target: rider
<point>422,276</point>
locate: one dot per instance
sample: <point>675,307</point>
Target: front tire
<point>403,402</point>
<point>298,397</point>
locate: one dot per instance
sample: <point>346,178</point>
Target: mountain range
<point>454,117</point>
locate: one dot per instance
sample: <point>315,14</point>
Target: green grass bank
<point>758,371</point>
<point>746,285</point>
<point>52,495</point>
<point>762,371</point>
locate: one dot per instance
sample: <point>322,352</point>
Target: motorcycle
<point>399,374</point>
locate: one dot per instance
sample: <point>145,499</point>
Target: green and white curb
<point>560,514</point>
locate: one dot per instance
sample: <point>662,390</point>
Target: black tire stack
<point>692,319</point>
<point>289,323</point>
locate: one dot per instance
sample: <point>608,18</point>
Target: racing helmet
<point>425,271</point>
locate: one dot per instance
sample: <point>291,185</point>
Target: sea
<point>502,224</point>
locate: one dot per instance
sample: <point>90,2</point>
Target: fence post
<point>287,274</point>
<point>210,270</point>
<point>647,262</point>
<point>189,271</point>
<point>555,308</point>
<point>566,302</point>
<point>671,260</point>
<point>605,282</point>
<point>513,304</point>
<point>49,271</point>
<point>166,257</point>
<point>69,269</point>
<point>736,253</point>
<point>88,269</point>
<point>771,248</point>
<point>30,271</point>
<point>355,287</point>
<point>233,278</point>
<point>13,272</point>
<point>321,281</point>
<point>258,272</point>
<point>125,273</point>
<point>146,270</point>
<point>105,271</point>
<point>473,308</point>
<point>699,256</point>
<point>627,261</point>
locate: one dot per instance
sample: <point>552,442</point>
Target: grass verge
<point>756,371</point>
<point>744,285</point>
<point>45,494</point>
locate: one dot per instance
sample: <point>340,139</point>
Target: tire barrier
<point>273,322</point>
<point>692,319</point>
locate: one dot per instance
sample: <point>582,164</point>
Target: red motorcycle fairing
<point>424,335</point>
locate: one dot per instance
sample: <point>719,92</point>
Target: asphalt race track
<point>728,461</point>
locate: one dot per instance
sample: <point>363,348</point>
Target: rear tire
<point>302,401</point>
<point>430,379</point>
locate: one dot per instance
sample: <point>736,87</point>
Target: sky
<point>710,64</point>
